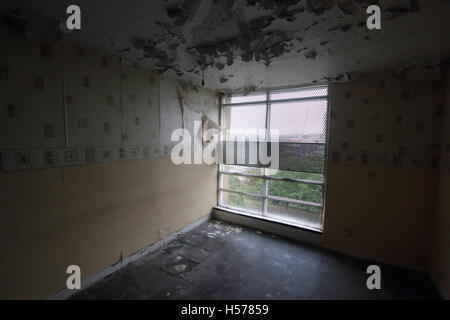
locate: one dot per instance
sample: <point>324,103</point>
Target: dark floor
<point>218,260</point>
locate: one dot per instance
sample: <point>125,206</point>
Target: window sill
<point>270,219</point>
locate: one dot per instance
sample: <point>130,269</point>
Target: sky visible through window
<point>300,121</point>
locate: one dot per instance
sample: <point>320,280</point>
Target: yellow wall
<point>440,265</point>
<point>33,235</point>
<point>92,216</point>
<point>390,212</point>
<point>384,147</point>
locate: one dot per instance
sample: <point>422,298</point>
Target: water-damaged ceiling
<point>249,44</point>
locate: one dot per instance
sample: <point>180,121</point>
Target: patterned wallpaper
<point>117,112</point>
<point>31,89</point>
<point>383,120</point>
<point>72,105</point>
<point>92,95</point>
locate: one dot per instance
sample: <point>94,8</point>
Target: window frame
<point>266,178</point>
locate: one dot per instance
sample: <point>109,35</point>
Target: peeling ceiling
<point>243,45</point>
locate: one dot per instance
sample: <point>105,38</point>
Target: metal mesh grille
<point>300,122</point>
<point>239,120</point>
<point>296,191</point>
<point>302,93</point>
<point>302,157</point>
<point>249,185</point>
<point>294,194</point>
<point>242,202</point>
<point>295,213</point>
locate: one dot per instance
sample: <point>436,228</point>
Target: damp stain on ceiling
<point>243,45</point>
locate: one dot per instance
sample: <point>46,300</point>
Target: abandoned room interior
<point>225,150</point>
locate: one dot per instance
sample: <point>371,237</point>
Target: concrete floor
<point>218,260</point>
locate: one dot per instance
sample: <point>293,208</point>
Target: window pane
<point>303,122</point>
<point>295,190</point>
<point>242,169</point>
<point>294,213</point>
<point>243,184</point>
<point>242,202</point>
<point>245,98</point>
<point>302,128</point>
<point>302,157</point>
<point>294,175</point>
<point>242,119</point>
<point>309,92</point>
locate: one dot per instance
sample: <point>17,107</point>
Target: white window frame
<point>266,178</point>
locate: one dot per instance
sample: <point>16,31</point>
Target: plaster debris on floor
<point>243,263</point>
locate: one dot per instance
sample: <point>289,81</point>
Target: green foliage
<point>245,184</point>
<point>291,190</point>
<point>310,163</point>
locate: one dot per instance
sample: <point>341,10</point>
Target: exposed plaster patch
<point>348,6</point>
<point>319,7</point>
<point>220,33</point>
<point>181,11</point>
<point>422,73</point>
<point>399,7</point>
<point>340,78</point>
<point>311,54</point>
<point>180,267</point>
<point>220,229</point>
<point>221,38</point>
<point>343,28</point>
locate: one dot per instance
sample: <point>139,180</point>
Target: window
<point>293,194</point>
